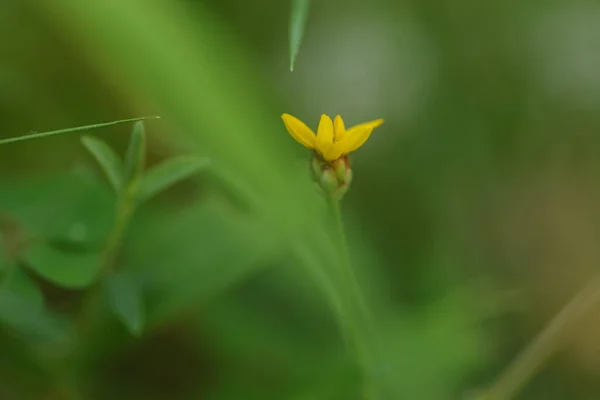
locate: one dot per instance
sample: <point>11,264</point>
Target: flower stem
<point>355,311</point>
<point>542,347</point>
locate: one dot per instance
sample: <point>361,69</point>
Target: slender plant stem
<point>125,207</point>
<point>124,212</point>
<point>541,348</point>
<point>71,130</point>
<point>356,313</point>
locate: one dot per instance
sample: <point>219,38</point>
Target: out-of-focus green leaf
<point>20,284</point>
<point>66,269</point>
<point>22,307</point>
<point>69,206</point>
<point>169,173</point>
<point>298,20</point>
<point>135,158</point>
<point>196,253</point>
<point>126,300</point>
<point>109,161</point>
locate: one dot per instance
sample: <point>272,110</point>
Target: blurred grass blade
<point>65,269</point>
<point>136,153</point>
<point>126,302</point>
<point>298,20</point>
<point>169,173</point>
<point>109,161</point>
<point>70,130</point>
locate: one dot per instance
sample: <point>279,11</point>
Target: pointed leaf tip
<point>298,19</point>
<point>126,301</point>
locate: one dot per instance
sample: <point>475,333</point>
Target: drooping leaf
<point>169,173</point>
<point>72,270</point>
<point>126,300</point>
<point>135,158</point>
<point>298,20</point>
<point>108,160</point>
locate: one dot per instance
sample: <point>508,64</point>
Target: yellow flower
<point>332,140</point>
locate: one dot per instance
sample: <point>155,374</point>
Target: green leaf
<point>298,20</point>
<point>190,258</point>
<point>81,210</point>
<point>70,130</point>
<point>126,300</point>
<point>66,269</point>
<point>18,283</point>
<point>22,307</point>
<point>135,158</point>
<point>169,173</point>
<point>109,161</point>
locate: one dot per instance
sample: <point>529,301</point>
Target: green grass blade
<point>298,20</point>
<point>70,130</point>
<point>108,160</point>
<point>168,173</point>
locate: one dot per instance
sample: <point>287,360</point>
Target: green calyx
<point>332,178</point>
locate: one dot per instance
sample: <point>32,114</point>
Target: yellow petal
<point>358,135</point>
<point>299,131</point>
<point>339,130</point>
<point>334,152</point>
<point>324,135</point>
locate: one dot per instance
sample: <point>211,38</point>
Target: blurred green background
<point>472,219</point>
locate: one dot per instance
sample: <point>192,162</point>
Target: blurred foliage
<point>199,263</point>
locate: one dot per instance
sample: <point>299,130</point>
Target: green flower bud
<point>316,166</point>
<point>333,178</point>
<point>329,181</point>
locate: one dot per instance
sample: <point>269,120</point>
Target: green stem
<point>539,351</point>
<point>70,130</point>
<point>125,207</point>
<point>356,312</point>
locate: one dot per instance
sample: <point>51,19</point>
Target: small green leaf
<point>66,269</point>
<point>136,153</point>
<point>168,173</point>
<point>298,20</point>
<point>109,161</point>
<point>126,300</point>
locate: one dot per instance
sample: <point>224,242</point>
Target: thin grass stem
<point>543,346</point>
<point>71,130</point>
